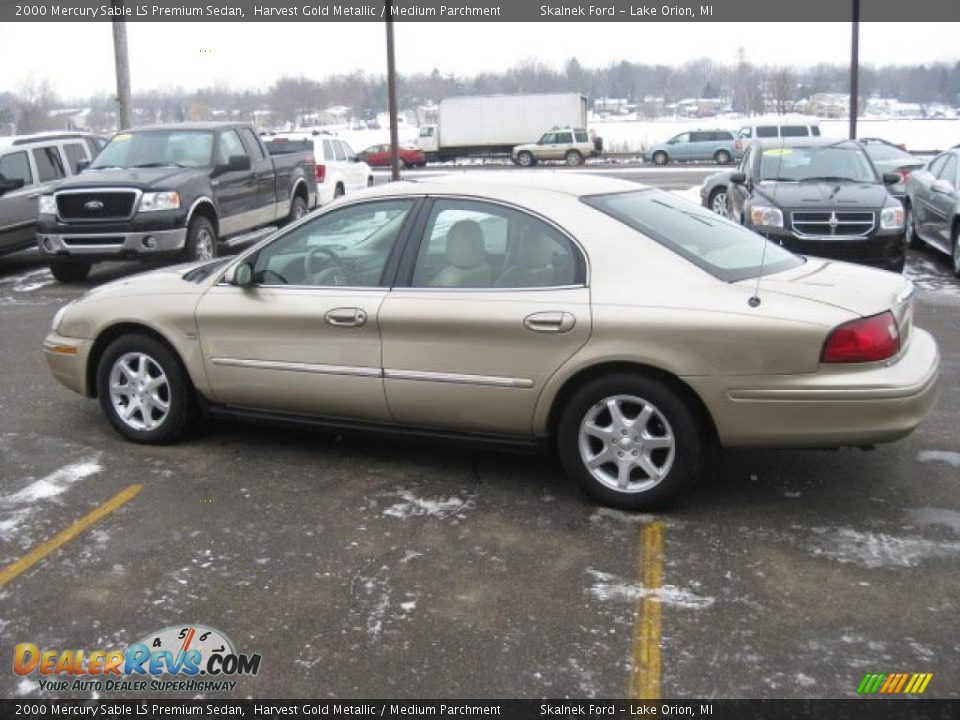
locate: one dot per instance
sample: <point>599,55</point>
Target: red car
<point>379,156</point>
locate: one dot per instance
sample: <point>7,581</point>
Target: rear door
<point>354,171</point>
<point>492,301</point>
<point>305,338</point>
<point>924,213</point>
<point>273,189</point>
<point>18,208</point>
<point>701,145</point>
<point>943,202</point>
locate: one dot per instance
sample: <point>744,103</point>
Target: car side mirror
<point>738,178</point>
<point>891,178</point>
<point>82,165</point>
<point>240,275</point>
<point>237,163</point>
<point>354,158</point>
<point>9,184</point>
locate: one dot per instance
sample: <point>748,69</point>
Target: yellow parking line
<point>12,570</point>
<point>644,682</point>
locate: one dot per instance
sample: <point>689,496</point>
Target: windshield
<point>882,151</point>
<point>722,248</point>
<point>823,162</point>
<point>157,148</point>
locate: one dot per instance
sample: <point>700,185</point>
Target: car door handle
<point>346,317</point>
<point>550,322</point>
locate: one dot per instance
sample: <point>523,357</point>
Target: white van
<point>339,170</point>
<point>772,128</point>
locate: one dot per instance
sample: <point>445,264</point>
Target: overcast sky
<point>78,57</point>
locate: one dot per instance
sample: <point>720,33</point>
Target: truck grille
<point>93,240</point>
<point>832,224</point>
<point>96,205</point>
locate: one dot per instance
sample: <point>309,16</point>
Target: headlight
<point>763,215</point>
<point>58,318</point>
<point>891,218</point>
<point>47,205</point>
<point>159,201</point>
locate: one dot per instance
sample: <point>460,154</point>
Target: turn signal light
<point>865,340</point>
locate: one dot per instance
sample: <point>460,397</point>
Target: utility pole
<point>855,69</point>
<point>122,64</point>
<point>392,94</point>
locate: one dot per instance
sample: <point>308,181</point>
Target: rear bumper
<point>99,246</point>
<point>836,407</point>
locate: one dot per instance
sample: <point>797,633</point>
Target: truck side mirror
<point>738,178</point>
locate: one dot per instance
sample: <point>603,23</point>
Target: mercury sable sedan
<point>624,327</point>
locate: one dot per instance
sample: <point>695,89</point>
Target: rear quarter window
<point>794,131</point>
<point>766,131</point>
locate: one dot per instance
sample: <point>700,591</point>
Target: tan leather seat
<point>466,257</point>
<point>532,264</point>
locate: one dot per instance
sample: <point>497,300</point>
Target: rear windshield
<point>722,248</point>
<point>824,163</point>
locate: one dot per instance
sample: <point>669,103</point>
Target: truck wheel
<point>338,191</point>
<point>526,159</point>
<point>201,241</point>
<point>298,208</point>
<point>722,157</point>
<point>660,158</point>
<point>574,158</point>
<point>370,181</point>
<point>67,272</point>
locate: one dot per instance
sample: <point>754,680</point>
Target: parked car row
<point>933,206</point>
<point>724,146</point>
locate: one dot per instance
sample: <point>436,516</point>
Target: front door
<point>236,190</point>
<point>305,338</point>
<point>496,301</point>
<point>18,208</point>
<point>943,202</point>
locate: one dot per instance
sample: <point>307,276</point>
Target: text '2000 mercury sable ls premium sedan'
<point>624,326</point>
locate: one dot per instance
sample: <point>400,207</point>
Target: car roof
<point>209,125</point>
<point>46,136</point>
<point>505,184</point>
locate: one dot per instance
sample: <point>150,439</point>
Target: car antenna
<point>754,300</point>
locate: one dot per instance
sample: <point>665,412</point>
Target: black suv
<point>821,197</point>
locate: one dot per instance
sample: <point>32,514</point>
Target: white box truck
<point>478,125</point>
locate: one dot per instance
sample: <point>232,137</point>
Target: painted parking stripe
<point>644,682</point>
<point>11,571</point>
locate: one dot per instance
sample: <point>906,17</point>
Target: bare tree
<point>783,86</point>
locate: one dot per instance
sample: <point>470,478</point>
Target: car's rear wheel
<point>718,202</point>
<point>574,158</point>
<point>143,390</point>
<point>67,272</point>
<point>722,157</point>
<point>526,159</point>
<point>660,158</point>
<point>910,228</point>
<point>630,441</point>
<point>370,181</point>
<point>338,191</point>
<point>201,241</point>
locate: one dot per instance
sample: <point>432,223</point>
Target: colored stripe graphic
<point>894,683</point>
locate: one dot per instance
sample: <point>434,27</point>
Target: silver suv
<point>30,166</point>
<point>571,145</point>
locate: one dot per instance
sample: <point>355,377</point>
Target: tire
<point>201,241</point>
<point>722,157</point>
<point>671,426</point>
<point>660,158</point>
<point>298,208</point>
<point>573,158</point>
<point>69,272</point>
<point>148,422</point>
<point>526,159</point>
<point>338,191</point>
<point>370,181</point>
<point>910,227</point>
<point>956,249</point>
<point>406,165</point>
<point>718,202</point>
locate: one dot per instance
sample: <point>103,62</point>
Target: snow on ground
<point>945,456</point>
<point>875,550</point>
<point>607,587</point>
<point>413,506</point>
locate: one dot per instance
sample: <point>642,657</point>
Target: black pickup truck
<point>820,197</point>
<point>172,190</point>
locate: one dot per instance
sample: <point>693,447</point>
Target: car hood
<point>160,178</point>
<point>856,288</point>
<point>838,195</point>
<point>177,279</point>
<point>526,146</point>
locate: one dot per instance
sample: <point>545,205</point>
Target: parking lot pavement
<point>372,567</point>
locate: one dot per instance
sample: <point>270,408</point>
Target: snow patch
<point>56,482</point>
<point>608,587</point>
<point>935,516</point>
<point>28,282</point>
<point>875,550</point>
<point>602,514</point>
<point>944,456</point>
<point>413,506</point>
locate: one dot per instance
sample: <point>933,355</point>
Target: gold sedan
<point>624,327</point>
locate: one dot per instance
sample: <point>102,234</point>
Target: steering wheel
<point>331,272</point>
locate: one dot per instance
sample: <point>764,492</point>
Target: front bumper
<point>67,360</point>
<point>838,406</point>
<point>112,245</point>
<point>883,249</point>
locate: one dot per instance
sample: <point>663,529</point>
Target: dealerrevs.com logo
<point>182,658</point>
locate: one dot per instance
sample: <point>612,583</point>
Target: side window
<point>230,145</point>
<point>249,141</point>
<point>549,139</point>
<point>565,138</point>
<point>701,136</point>
<point>724,136</point>
<point>15,166</point>
<point>327,150</point>
<point>426,132</point>
<point>794,131</point>
<point>581,136</point>
<point>338,150</point>
<point>49,163</point>
<point>745,132</point>
<point>815,130</point>
<point>680,139</point>
<point>471,244</point>
<point>949,170</point>
<point>766,131</point>
<point>344,248</point>
<point>936,165</point>
<point>75,153</point>
<point>348,151</point>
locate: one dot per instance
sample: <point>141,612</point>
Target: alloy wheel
<point>719,203</point>
<point>204,245</point>
<point>139,391</point>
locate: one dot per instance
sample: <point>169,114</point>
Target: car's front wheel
<point>722,157</point>
<point>718,202</point>
<point>630,441</point>
<point>525,159</point>
<point>660,158</point>
<point>910,227</point>
<point>201,241</point>
<point>143,390</point>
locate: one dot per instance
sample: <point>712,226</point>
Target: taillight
<point>320,172</point>
<point>904,174</point>
<point>738,144</point>
<point>865,340</point>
